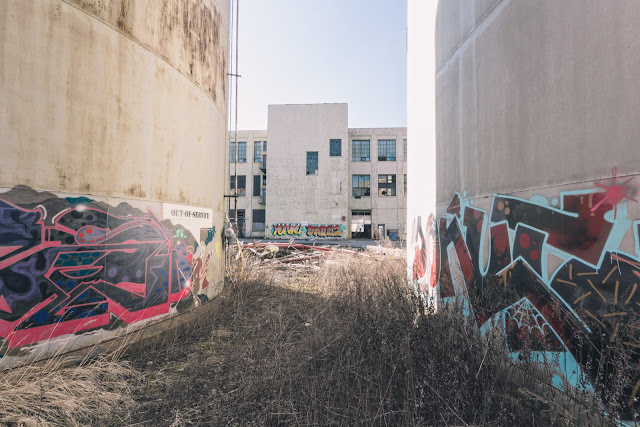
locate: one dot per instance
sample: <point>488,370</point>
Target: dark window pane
<point>257,152</point>
<point>335,148</point>
<point>256,185</point>
<point>386,185</point>
<point>361,185</point>
<point>259,215</point>
<point>242,184</point>
<point>242,152</point>
<point>312,162</point>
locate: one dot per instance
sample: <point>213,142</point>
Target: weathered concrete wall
<point>293,197</point>
<point>535,93</point>
<point>90,96</point>
<point>112,127</point>
<point>537,224</point>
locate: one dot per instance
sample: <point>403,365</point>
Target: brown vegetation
<point>346,344</point>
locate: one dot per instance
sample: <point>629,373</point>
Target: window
<point>361,185</point>
<point>386,150</point>
<point>257,152</point>
<point>242,184</point>
<point>264,146</point>
<point>258,220</point>
<point>386,185</point>
<point>242,152</point>
<point>259,215</point>
<point>405,183</point>
<point>240,224</point>
<point>256,185</point>
<point>335,147</point>
<point>360,151</point>
<point>312,162</point>
<point>404,147</point>
<point>232,215</point>
<point>232,152</point>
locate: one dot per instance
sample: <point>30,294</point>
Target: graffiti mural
<point>423,244</point>
<point>75,265</point>
<point>312,230</point>
<point>329,230</point>
<point>287,229</point>
<point>551,273</point>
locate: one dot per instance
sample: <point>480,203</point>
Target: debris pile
<point>292,255</point>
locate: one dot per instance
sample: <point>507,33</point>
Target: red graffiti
<point>613,194</point>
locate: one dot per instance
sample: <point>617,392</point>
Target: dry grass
<point>347,344</point>
<point>82,395</point>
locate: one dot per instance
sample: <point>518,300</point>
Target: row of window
<point>361,185</point>
<point>242,185</point>
<point>360,151</point>
<point>259,215</point>
<point>258,148</point>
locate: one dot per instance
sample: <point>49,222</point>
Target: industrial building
<point>310,176</point>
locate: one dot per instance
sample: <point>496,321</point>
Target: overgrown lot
<point>345,344</point>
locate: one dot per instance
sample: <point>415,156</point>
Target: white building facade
<point>310,176</point>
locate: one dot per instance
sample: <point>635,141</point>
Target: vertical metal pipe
<point>235,196</point>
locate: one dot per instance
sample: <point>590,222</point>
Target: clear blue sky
<point>304,51</point>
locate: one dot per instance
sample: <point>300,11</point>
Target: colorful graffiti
<point>424,249</point>
<point>287,229</point>
<point>312,230</point>
<point>552,274</point>
<point>75,266</point>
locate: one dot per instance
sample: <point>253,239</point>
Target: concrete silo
<point>112,134</point>
<point>534,216</point>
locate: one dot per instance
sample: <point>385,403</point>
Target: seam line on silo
<point>484,22</point>
<point>543,187</point>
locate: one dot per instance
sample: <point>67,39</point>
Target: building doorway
<point>361,224</point>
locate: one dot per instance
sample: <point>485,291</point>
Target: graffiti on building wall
<point>72,266</point>
<point>551,272</point>
<point>287,229</point>
<point>329,230</point>
<point>311,230</point>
